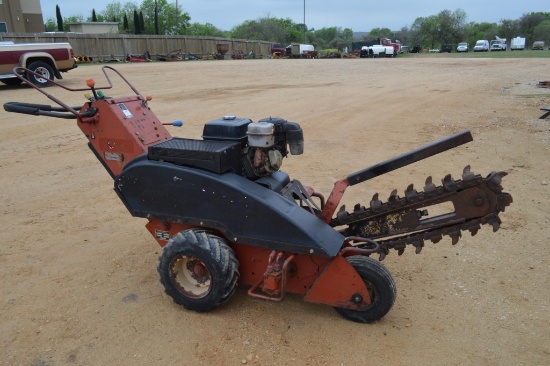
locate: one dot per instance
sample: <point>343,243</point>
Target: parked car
<point>416,49</point>
<point>462,47</point>
<point>446,48</point>
<point>538,45</point>
<point>482,45</point>
<point>405,49</point>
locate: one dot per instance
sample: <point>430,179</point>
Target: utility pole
<point>304,21</point>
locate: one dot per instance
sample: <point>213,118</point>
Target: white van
<point>481,46</point>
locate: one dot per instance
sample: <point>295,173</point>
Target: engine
<point>264,144</point>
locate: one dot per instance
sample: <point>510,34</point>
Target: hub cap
<point>191,276</point>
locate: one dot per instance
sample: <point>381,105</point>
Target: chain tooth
<point>384,251</point>
<point>418,244</point>
<point>473,228</point>
<point>375,203</point>
<point>495,223</point>
<point>504,200</point>
<point>410,192</point>
<point>455,236</point>
<point>449,183</point>
<point>429,186</point>
<point>400,247</point>
<point>342,213</point>
<point>435,237</point>
<point>393,196</point>
<point>467,174</point>
<point>358,209</point>
<point>494,179</point>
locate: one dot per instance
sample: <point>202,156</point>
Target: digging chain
<point>399,222</point>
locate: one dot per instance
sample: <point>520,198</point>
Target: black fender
<point>244,211</point>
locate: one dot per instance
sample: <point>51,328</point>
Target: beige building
<point>94,27</point>
<point>21,16</point>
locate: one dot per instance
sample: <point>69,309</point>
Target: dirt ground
<point>78,274</point>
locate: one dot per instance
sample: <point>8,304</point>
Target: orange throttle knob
<point>90,82</point>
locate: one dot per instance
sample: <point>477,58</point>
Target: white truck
<point>382,47</point>
<point>517,43</point>
<point>499,44</point>
<point>297,50</point>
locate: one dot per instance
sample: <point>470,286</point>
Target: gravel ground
<point>78,274</point>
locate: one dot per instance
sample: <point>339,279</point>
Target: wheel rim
<point>373,293</point>
<point>42,71</point>
<point>190,276</point>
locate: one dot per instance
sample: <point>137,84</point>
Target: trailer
<point>517,44</point>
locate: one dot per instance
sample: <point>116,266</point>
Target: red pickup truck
<point>45,59</point>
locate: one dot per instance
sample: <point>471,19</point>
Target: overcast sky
<point>359,15</point>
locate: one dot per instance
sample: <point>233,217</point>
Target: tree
<point>380,33</point>
<point>404,36</point>
<point>129,9</point>
<point>269,29</point>
<point>137,26</point>
<point>94,17</point>
<point>484,30</point>
<point>171,20</point>
<point>425,31</point>
<point>59,19</point>
<point>450,26</point>
<point>141,24</point>
<point>157,27</point>
<point>116,11</point>
<point>50,25</point>
<point>72,19</point>
<point>125,24</point>
<point>542,31</point>
<point>207,29</point>
<point>508,28</point>
<point>529,21</point>
<point>436,30</point>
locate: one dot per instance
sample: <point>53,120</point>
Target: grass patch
<point>494,54</point>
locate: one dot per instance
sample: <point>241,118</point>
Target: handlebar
<point>40,110</point>
<point>64,111</point>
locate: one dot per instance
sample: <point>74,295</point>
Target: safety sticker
<point>162,235</point>
<point>125,110</point>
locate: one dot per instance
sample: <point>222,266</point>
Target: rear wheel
<point>380,285</point>
<point>198,270</point>
<point>44,72</point>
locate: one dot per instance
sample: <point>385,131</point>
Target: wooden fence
<point>104,46</point>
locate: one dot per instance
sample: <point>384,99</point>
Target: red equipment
<point>224,212</point>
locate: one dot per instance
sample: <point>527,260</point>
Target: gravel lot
<point>78,274</point>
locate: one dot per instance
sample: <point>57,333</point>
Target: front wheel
<point>44,72</point>
<point>198,270</point>
<point>380,285</point>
